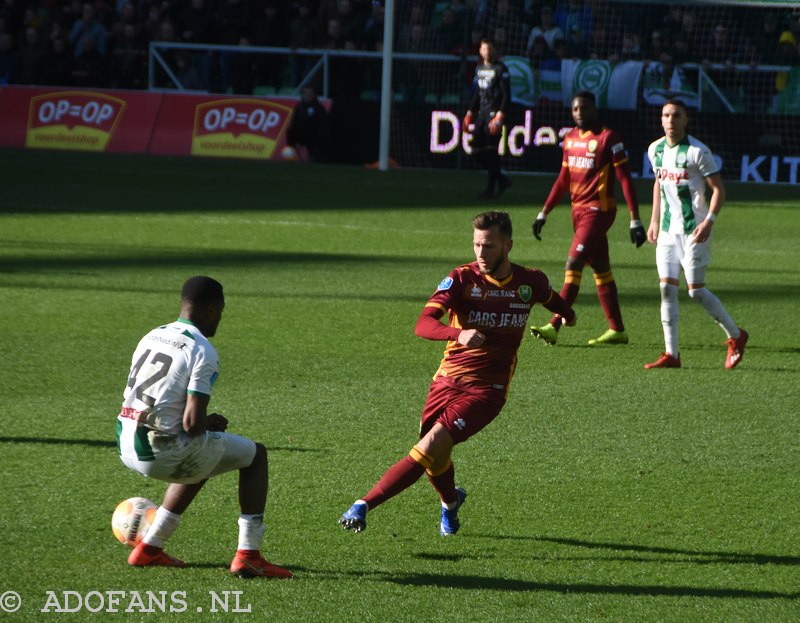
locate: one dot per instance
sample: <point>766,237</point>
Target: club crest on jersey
<point>445,283</point>
<point>525,292</point>
<point>680,159</point>
<point>592,145</point>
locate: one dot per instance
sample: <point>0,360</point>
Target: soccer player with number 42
<point>681,226</point>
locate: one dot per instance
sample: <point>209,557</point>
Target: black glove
<point>638,235</point>
<point>537,227</point>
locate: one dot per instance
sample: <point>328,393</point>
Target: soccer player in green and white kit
<point>681,226</point>
<point>164,431</point>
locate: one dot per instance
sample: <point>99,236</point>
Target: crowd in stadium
<point>104,43</point>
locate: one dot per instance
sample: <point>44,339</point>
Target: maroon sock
<point>569,292</point>
<point>445,484</point>
<point>607,293</point>
<point>397,478</point>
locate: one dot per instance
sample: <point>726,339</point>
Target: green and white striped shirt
<point>681,171</point>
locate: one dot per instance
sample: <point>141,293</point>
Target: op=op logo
<point>81,120</point>
<point>239,128</point>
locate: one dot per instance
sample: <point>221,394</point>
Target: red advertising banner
<point>144,122</point>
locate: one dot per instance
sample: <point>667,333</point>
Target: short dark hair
<point>487,40</point>
<point>493,218</point>
<point>676,102</point>
<point>587,95</point>
<point>201,290</point>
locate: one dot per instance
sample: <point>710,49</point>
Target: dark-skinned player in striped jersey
<point>486,114</point>
<point>488,303</point>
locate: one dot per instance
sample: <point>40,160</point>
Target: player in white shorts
<point>165,432</point>
<point>681,225</point>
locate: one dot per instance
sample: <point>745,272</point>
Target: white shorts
<point>181,458</point>
<point>676,251</point>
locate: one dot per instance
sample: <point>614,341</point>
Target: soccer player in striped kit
<point>488,302</point>
<point>593,157</point>
<point>681,226</point>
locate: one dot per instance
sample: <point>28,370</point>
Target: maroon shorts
<point>462,409</point>
<point>590,242</point>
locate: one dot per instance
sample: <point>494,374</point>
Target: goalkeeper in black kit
<point>486,114</point>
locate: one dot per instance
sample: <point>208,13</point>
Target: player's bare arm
<point>195,420</point>
<point>702,232</point>
<point>655,216</point>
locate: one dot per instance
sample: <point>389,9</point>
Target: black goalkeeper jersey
<point>492,94</point>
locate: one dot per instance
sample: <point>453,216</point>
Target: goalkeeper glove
<point>537,225</point>
<point>638,235</point>
<point>496,124</point>
<point>467,120</point>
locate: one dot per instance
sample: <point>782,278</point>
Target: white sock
<point>714,307</point>
<point>450,506</point>
<point>251,531</point>
<point>164,525</point>
<point>669,317</point>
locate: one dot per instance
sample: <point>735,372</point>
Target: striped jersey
<point>170,362</point>
<point>498,309</point>
<point>681,171</point>
<point>590,157</point>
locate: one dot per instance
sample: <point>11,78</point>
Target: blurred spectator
<point>88,27</point>
<point>720,50</point>
<point>187,72</point>
<point>6,57</point>
<point>546,28</point>
<point>269,30</point>
<point>373,29</point>
<point>351,21</point>
<point>449,33</point>
<point>127,16</point>
<point>505,20</point>
<point>90,69</point>
<point>600,45</point>
<point>571,13</point>
<point>233,21</point>
<point>657,46</point>
<point>334,37</point>
<point>29,59</point>
<point>767,37</point>
<point>58,63</point>
<point>309,126</point>
<point>576,46</point>
<point>631,49</point>
<point>787,54</point>
<point>244,67</point>
<point>301,35</point>
<point>129,60</point>
<point>196,22</point>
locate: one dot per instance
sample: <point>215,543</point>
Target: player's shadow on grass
<point>677,555</point>
<point>512,585</point>
<point>110,443</point>
<point>102,443</point>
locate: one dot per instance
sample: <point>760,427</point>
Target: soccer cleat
<point>254,566</point>
<point>502,185</point>
<point>150,556</point>
<point>610,337</point>
<point>664,361</point>
<point>449,523</point>
<point>547,334</point>
<point>736,349</point>
<point>355,518</point>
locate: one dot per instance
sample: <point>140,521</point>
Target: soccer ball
<point>132,519</point>
<point>289,153</point>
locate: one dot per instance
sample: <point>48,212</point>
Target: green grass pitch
<point>603,492</point>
